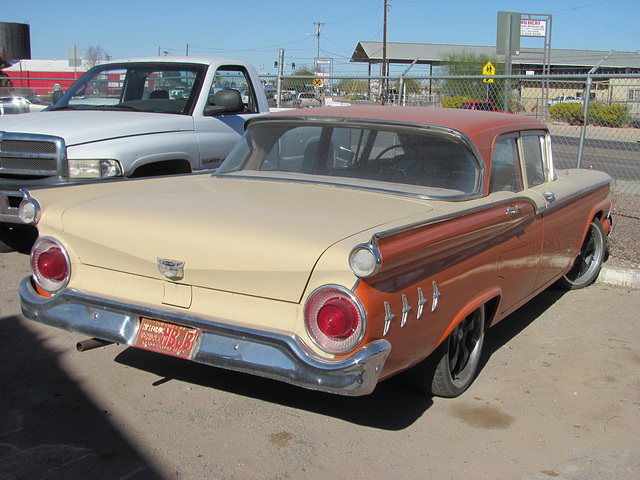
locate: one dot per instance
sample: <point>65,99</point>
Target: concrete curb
<point>621,277</point>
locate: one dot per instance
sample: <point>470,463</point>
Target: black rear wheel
<point>451,368</point>
<point>589,261</point>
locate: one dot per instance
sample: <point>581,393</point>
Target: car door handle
<point>549,197</point>
<point>514,210</point>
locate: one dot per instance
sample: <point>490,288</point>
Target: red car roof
<point>481,127</point>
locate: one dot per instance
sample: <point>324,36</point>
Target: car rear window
<point>441,163</point>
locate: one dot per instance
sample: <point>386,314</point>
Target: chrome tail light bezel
<point>49,285</point>
<point>333,345</point>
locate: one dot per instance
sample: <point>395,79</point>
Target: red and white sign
<point>533,28</point>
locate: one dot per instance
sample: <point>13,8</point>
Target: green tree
<point>354,88</point>
<point>299,84</point>
<point>410,84</point>
<point>467,63</point>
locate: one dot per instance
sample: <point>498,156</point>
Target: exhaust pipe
<point>91,343</point>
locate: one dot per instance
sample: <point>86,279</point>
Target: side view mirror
<point>225,101</point>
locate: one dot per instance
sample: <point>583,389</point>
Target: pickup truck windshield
<point>148,87</point>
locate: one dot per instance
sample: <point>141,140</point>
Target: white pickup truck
<point>128,118</point>
<point>565,99</point>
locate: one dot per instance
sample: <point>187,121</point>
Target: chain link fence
<point>594,121</point>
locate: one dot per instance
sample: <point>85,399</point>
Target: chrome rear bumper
<point>267,354</point>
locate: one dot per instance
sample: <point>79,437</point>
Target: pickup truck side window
<point>533,159</point>
<point>505,167</point>
<point>234,77</point>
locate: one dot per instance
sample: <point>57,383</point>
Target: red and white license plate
<point>163,337</point>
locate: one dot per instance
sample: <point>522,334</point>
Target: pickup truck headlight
<point>96,168</point>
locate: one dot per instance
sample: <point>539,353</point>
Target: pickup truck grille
<point>31,155</point>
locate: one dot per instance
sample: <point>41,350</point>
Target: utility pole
<point>384,70</point>
<point>280,72</point>
<point>318,28</point>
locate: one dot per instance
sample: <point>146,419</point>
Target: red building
<point>40,76</point>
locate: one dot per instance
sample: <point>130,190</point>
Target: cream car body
<point>319,254</point>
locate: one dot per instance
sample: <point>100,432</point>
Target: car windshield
<point>145,87</point>
<point>409,160</point>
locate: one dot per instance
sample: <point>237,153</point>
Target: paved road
<point>619,159</point>
<point>557,397</point>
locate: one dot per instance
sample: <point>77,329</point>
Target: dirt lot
<point>624,242</point>
<point>558,396</point>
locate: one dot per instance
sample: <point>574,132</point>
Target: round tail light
<point>50,265</point>
<point>335,319</point>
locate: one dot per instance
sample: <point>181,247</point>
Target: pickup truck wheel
<point>589,261</point>
<point>451,368</point>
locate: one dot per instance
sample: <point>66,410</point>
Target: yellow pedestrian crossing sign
<point>488,70</point>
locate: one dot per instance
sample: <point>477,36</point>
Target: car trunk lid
<point>252,237</point>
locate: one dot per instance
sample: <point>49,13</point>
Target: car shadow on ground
<point>392,406</point>
<point>49,428</point>
<point>502,333</point>
<point>19,238</point>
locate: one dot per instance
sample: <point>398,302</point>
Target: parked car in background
<point>21,104</point>
<point>36,105</point>
<point>128,118</point>
<point>565,99</point>
<point>482,106</point>
<point>10,105</point>
<point>307,99</point>
<point>287,100</point>
<point>332,249</point>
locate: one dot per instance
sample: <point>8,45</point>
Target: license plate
<point>163,337</point>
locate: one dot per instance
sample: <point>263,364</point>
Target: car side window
<point>236,78</point>
<point>505,167</point>
<point>533,159</point>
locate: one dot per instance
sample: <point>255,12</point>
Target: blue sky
<point>255,30</point>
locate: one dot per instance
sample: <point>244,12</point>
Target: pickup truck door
<point>217,135</point>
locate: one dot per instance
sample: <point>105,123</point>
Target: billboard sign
<point>533,28</point>
<point>508,37</point>
<point>74,55</point>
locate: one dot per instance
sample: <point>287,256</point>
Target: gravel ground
<point>624,243</point>
<point>556,399</point>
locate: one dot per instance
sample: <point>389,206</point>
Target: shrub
<point>614,115</point>
<point>516,105</point>
<point>572,113</point>
<point>457,100</point>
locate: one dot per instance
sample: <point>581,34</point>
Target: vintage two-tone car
<point>332,249</point>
